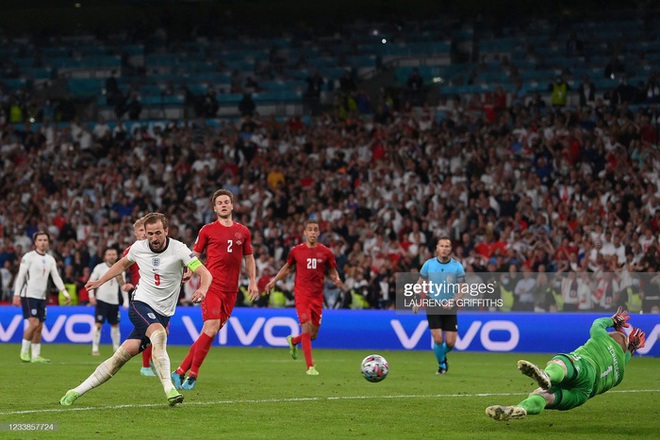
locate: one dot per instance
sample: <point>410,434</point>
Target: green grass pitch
<point>255,393</point>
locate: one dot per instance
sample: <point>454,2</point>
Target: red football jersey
<point>134,270</point>
<point>225,247</point>
<point>310,264</point>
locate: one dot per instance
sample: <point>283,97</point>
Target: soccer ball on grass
<point>374,368</point>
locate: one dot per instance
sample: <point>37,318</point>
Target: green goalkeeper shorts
<point>573,392</point>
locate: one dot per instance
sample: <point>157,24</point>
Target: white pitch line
<point>293,399</point>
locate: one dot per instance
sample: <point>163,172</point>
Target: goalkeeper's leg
<point>532,405</point>
<point>537,401</point>
<point>554,373</point>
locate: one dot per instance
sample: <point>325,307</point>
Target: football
<point>374,368</point>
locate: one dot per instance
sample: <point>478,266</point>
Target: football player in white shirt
<point>30,292</point>
<point>106,300</point>
<point>161,261</point>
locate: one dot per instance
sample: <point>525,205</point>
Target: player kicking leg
<point>147,329</point>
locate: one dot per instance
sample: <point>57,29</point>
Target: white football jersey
<point>32,277</point>
<point>160,274</point>
<point>109,291</point>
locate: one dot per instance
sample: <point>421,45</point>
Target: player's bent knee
<point>212,327</point>
<point>560,363</point>
<point>158,338</point>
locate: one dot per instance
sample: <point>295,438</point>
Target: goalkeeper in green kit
<point>569,380</point>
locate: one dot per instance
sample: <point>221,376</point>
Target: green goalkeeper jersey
<point>604,355</point>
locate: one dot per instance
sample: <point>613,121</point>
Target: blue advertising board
<point>350,329</point>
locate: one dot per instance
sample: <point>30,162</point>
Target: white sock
<point>36,350</point>
<point>105,371</point>
<point>116,337</point>
<point>25,347</point>
<point>161,359</point>
<point>96,338</point>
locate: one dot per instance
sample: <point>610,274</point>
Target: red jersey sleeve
<point>202,238</point>
<point>247,243</point>
<point>134,270</point>
<point>331,259</point>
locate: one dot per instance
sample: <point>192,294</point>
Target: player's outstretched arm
<point>334,276</point>
<point>251,268</point>
<point>117,268</point>
<point>283,273</point>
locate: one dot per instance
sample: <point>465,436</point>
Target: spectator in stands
<point>624,93</point>
<point>519,94</point>
<point>347,84</point>
<point>586,92</point>
<point>559,92</point>
<point>131,105</point>
<point>113,95</point>
<point>210,105</point>
<point>315,83</point>
<point>614,68</point>
<point>247,105</point>
<point>415,85</point>
<point>652,89</point>
<point>6,277</point>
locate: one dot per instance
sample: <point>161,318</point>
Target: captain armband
<point>194,264</point>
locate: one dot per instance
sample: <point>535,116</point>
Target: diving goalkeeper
<point>569,380</point>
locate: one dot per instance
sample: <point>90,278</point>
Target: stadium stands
<point>366,152</point>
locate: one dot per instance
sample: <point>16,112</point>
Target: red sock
<point>187,362</point>
<point>202,347</point>
<point>307,348</point>
<point>296,339</point>
<point>146,357</point>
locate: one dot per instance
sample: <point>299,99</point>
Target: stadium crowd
<point>519,183</point>
<point>554,190</point>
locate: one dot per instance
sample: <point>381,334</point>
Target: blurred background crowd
<point>530,177</point>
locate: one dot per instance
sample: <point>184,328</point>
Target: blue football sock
<point>439,351</point>
<point>446,347</point>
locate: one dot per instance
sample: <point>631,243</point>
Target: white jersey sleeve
<point>55,275</point>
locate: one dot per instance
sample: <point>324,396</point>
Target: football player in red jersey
<point>226,244</point>
<point>311,259</point>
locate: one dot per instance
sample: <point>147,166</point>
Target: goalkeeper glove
<point>636,340</point>
<point>620,319</point>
